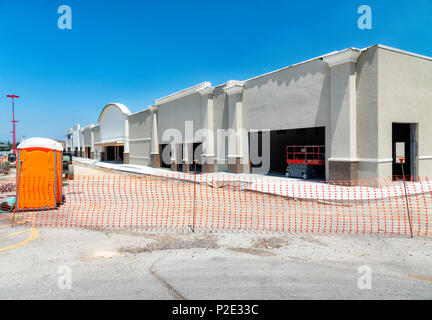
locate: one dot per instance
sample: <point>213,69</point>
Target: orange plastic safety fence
<point>223,202</point>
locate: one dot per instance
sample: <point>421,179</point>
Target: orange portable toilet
<point>39,174</point>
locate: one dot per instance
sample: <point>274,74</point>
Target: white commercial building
<point>357,103</point>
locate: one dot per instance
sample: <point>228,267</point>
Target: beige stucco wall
<point>390,87</point>
<point>172,115</point>
<point>341,117</point>
<point>96,133</point>
<point>220,122</point>
<point>296,97</point>
<point>140,138</point>
<point>367,113</point>
<point>404,95</point>
<point>87,136</point>
<point>97,138</point>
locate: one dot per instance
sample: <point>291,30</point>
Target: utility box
<point>39,174</point>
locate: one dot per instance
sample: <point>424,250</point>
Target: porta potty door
<point>38,178</point>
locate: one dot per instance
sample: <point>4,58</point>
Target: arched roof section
<point>123,109</point>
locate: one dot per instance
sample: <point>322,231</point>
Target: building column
<point>92,146</point>
<point>208,143</point>
<point>66,145</point>
<point>187,159</point>
<point>342,148</point>
<point>174,156</point>
<point>82,150</point>
<point>126,142</point>
<point>154,146</point>
<point>238,159</point>
<point>71,141</point>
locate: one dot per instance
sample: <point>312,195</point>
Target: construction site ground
<point>168,264</point>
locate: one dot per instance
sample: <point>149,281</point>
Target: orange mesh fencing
<point>224,202</point>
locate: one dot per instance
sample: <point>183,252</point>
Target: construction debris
<point>7,187</point>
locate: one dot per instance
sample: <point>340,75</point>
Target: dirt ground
<point>81,169</point>
<point>216,262</point>
<point>8,177</point>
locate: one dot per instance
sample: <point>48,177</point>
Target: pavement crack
<point>170,288</point>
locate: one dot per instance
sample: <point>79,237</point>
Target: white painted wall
<point>76,136</point>
<point>112,124</point>
<point>68,139</point>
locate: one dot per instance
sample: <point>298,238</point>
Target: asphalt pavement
<point>88,264</point>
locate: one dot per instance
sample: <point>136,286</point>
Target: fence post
<point>406,199</point>
<point>194,197</point>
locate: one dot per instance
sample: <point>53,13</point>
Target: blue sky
<point>134,52</point>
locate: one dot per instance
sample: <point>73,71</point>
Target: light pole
<point>13,120</point>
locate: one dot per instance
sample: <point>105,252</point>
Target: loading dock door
<point>120,151</point>
<point>179,156</point>
<point>197,156</point>
<point>165,155</point>
<point>280,139</point>
<point>87,152</point>
<point>110,153</point>
<point>114,153</point>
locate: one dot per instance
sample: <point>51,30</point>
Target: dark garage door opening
<point>197,154</point>
<point>87,152</point>
<point>405,133</point>
<point>114,153</point>
<point>165,155</point>
<point>280,139</point>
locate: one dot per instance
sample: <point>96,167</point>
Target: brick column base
<point>185,166</point>
<point>155,160</point>
<point>208,164</point>
<point>173,166</point>
<point>237,167</point>
<point>343,170</point>
<point>126,158</point>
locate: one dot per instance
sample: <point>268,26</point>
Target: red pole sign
<point>13,121</point>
